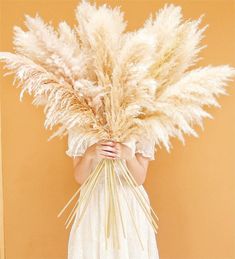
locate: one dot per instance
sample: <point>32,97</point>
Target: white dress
<point>88,240</point>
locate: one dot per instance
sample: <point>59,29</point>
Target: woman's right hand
<point>102,149</point>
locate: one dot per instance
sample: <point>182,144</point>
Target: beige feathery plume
<point>98,81</point>
<point>113,83</point>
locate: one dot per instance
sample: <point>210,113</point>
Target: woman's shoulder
<point>144,146</point>
<point>78,143</point>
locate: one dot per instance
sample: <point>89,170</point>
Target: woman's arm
<point>82,167</point>
<point>83,164</point>
<point>138,165</point>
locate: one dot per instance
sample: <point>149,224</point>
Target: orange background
<point>192,189</point>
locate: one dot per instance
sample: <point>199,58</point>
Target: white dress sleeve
<point>131,144</point>
<point>146,147</point>
<point>78,143</point>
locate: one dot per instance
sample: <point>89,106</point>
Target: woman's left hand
<point>123,151</point>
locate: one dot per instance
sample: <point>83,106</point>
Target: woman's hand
<point>108,149</point>
<point>102,149</point>
<point>124,151</point>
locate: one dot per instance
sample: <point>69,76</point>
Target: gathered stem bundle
<point>114,222</point>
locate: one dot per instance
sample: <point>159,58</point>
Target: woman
<point>88,240</point>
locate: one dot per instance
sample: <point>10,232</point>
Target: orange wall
<point>192,189</point>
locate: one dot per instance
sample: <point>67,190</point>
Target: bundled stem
<point>114,223</point>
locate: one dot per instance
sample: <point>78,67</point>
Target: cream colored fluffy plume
<point>102,81</point>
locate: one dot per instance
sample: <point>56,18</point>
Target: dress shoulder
<point>78,143</point>
<point>146,147</point>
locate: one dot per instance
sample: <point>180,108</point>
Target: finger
<point>107,154</point>
<point>107,157</point>
<point>108,143</point>
<point>106,147</point>
<point>109,148</point>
